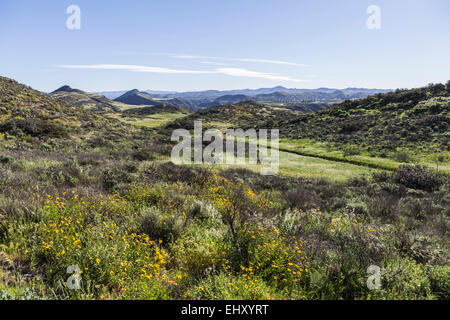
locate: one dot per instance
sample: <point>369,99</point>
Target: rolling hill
<point>94,102</point>
<point>30,119</point>
<point>246,114</point>
<point>136,97</point>
<point>417,118</point>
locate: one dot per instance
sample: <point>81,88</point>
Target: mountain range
<point>195,100</point>
<point>350,92</point>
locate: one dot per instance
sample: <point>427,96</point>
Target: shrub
<point>161,226</point>
<point>440,281</point>
<point>403,279</point>
<point>383,205</point>
<point>417,177</point>
<point>302,198</point>
<point>267,255</point>
<point>5,159</point>
<point>381,176</point>
<point>113,177</point>
<point>111,258</point>
<point>402,157</point>
<point>289,223</point>
<point>357,209</point>
<point>176,173</point>
<point>418,208</point>
<point>199,251</point>
<point>143,155</point>
<point>34,127</point>
<point>424,250</point>
<point>226,286</point>
<point>236,203</point>
<point>201,211</point>
<point>349,151</point>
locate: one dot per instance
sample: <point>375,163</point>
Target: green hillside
<point>247,114</point>
<point>416,119</point>
<point>30,119</point>
<point>90,101</point>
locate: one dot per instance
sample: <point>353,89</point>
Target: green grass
<point>152,121</point>
<point>344,153</point>
<point>325,150</point>
<point>294,165</point>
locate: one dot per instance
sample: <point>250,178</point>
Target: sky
<point>179,45</point>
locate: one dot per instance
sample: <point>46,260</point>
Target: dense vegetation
<point>417,119</point>
<point>77,188</point>
<point>160,108</point>
<point>247,114</point>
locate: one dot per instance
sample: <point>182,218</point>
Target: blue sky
<point>233,44</point>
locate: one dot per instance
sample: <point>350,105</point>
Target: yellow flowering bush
<point>83,232</point>
<point>155,242</point>
<point>274,258</point>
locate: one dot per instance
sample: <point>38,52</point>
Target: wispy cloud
<point>234,72</point>
<point>133,68</point>
<point>270,61</point>
<point>255,60</point>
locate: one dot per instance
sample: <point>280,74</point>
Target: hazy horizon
<point>222,90</point>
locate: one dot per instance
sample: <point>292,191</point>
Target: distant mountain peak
<point>91,101</point>
<point>136,97</point>
<point>67,88</point>
<point>279,88</point>
<point>133,91</point>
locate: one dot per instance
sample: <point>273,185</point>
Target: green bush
<point>403,279</point>
<point>417,177</point>
<point>157,225</point>
<point>230,287</point>
<point>198,251</point>
<point>440,281</point>
<point>114,177</point>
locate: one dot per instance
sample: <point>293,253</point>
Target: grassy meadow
<point>151,121</point>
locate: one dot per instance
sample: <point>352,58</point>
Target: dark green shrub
<point>143,155</point>
<point>440,281</point>
<point>160,226</point>
<point>113,177</point>
<point>417,177</point>
<point>402,157</point>
<point>5,159</point>
<point>383,205</point>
